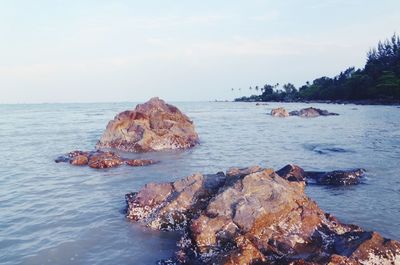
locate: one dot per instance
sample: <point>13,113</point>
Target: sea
<point>61,214</point>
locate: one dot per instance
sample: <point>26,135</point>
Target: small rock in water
<point>254,216</point>
<point>337,177</point>
<point>139,162</point>
<point>306,113</point>
<point>101,159</point>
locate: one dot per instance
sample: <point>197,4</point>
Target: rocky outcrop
<point>100,159</point>
<point>279,112</point>
<point>334,178</point>
<point>151,126</point>
<point>253,216</point>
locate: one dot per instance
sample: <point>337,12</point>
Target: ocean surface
<point>60,214</point>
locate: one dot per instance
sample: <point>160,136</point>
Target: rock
<point>337,177</point>
<point>100,159</point>
<point>235,171</point>
<point>279,112</point>
<point>311,113</point>
<point>151,126</point>
<point>254,216</point>
<point>140,162</point>
<point>292,173</point>
<point>104,160</point>
<point>79,160</point>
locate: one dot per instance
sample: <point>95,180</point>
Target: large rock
<point>100,159</point>
<point>151,126</point>
<point>280,112</point>
<point>253,216</point>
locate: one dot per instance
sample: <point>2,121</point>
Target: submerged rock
<point>151,126</point>
<point>139,162</point>
<point>100,159</point>
<point>254,216</point>
<point>280,112</point>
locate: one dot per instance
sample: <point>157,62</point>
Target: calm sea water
<point>59,214</point>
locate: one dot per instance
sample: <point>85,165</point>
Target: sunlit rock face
<point>152,126</point>
<point>254,216</point>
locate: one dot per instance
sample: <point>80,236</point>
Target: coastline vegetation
<point>378,81</point>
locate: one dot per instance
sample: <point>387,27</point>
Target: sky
<point>112,51</point>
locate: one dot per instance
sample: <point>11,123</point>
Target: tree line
<point>378,80</point>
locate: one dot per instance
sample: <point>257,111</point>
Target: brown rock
<point>151,126</point>
<point>104,160</point>
<point>280,112</point>
<point>254,217</point>
<point>79,160</point>
<point>100,159</point>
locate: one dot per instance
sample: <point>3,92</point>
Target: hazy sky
<point>104,50</point>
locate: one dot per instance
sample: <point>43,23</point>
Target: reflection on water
<point>59,214</point>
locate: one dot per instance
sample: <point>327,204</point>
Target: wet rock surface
<point>254,216</point>
<point>100,159</point>
<point>152,126</point>
<point>337,177</point>
<point>333,178</point>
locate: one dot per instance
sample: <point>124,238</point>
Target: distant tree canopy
<point>379,79</point>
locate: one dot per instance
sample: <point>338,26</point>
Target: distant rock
<point>151,126</point>
<point>100,159</point>
<point>253,216</point>
<point>305,113</point>
<point>279,112</point>
<point>311,113</point>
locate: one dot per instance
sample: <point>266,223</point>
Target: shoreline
<point>341,102</point>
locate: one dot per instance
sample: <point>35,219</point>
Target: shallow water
<point>59,214</point>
